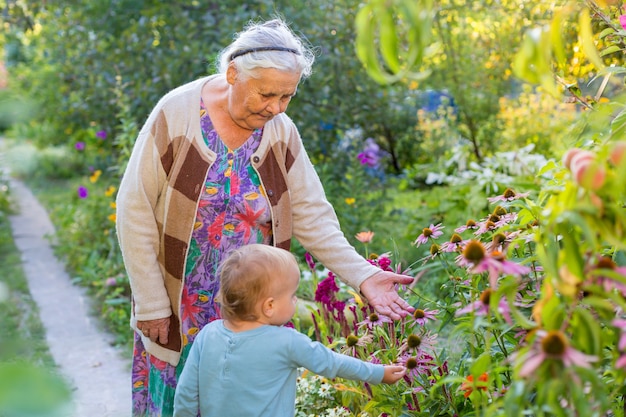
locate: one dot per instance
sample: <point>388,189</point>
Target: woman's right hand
<point>156,330</point>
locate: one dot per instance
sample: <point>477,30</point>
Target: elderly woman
<point>219,165</point>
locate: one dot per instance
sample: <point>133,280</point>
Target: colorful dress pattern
<point>233,211</point>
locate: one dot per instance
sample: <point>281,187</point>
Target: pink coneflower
<point>374,319</point>
<point>485,226</point>
<point>365,237</point>
<point>470,224</point>
<point>415,342</point>
<point>353,341</point>
<point>419,364</point>
<point>79,146</point>
<point>552,345</point>
<point>507,195</point>
<point>432,232</point>
<point>455,244</point>
<point>101,134</point>
<point>480,307</point>
<point>422,316</point>
<point>476,258</point>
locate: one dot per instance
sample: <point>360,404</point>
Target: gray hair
<point>269,44</point>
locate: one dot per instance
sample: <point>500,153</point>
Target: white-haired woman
<point>217,165</point>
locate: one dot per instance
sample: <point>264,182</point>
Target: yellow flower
<point>110,191</point>
<point>113,205</point>
<point>94,177</point>
<point>112,217</point>
<point>350,201</point>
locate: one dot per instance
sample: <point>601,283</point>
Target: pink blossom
<point>374,319</point>
<point>309,261</point>
<point>432,232</point>
<point>470,224</point>
<point>552,345</point>
<point>507,195</point>
<point>422,316</point>
<point>622,21</point>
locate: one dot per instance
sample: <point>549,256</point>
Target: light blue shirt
<point>253,373</point>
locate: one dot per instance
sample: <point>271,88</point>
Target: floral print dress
<point>233,211</point>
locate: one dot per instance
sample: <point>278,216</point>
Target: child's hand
<point>393,373</point>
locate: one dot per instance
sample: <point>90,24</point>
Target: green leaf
<point>618,126</point>
<point>586,332</point>
<point>610,50</point>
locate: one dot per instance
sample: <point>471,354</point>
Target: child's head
<point>258,283</point>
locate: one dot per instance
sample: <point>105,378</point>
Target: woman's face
<point>252,102</point>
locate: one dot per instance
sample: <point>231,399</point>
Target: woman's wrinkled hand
<point>381,292</point>
<point>156,330</point>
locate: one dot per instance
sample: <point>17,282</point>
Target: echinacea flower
<point>374,319</point>
<point>79,146</point>
<point>552,345</point>
<point>469,385</point>
<point>470,224</point>
<point>415,342</point>
<point>365,237</point>
<point>353,341</point>
<point>432,232</point>
<point>480,307</point>
<point>454,244</point>
<point>478,260</point>
<point>101,134</point>
<point>507,195</point>
<point>422,316</point>
<point>416,365</point>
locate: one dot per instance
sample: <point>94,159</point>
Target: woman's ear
<point>231,73</point>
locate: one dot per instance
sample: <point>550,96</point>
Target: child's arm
<point>321,360</point>
<point>393,373</point>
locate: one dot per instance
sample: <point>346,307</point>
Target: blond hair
<point>248,275</point>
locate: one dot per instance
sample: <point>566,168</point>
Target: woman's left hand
<point>381,292</point>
